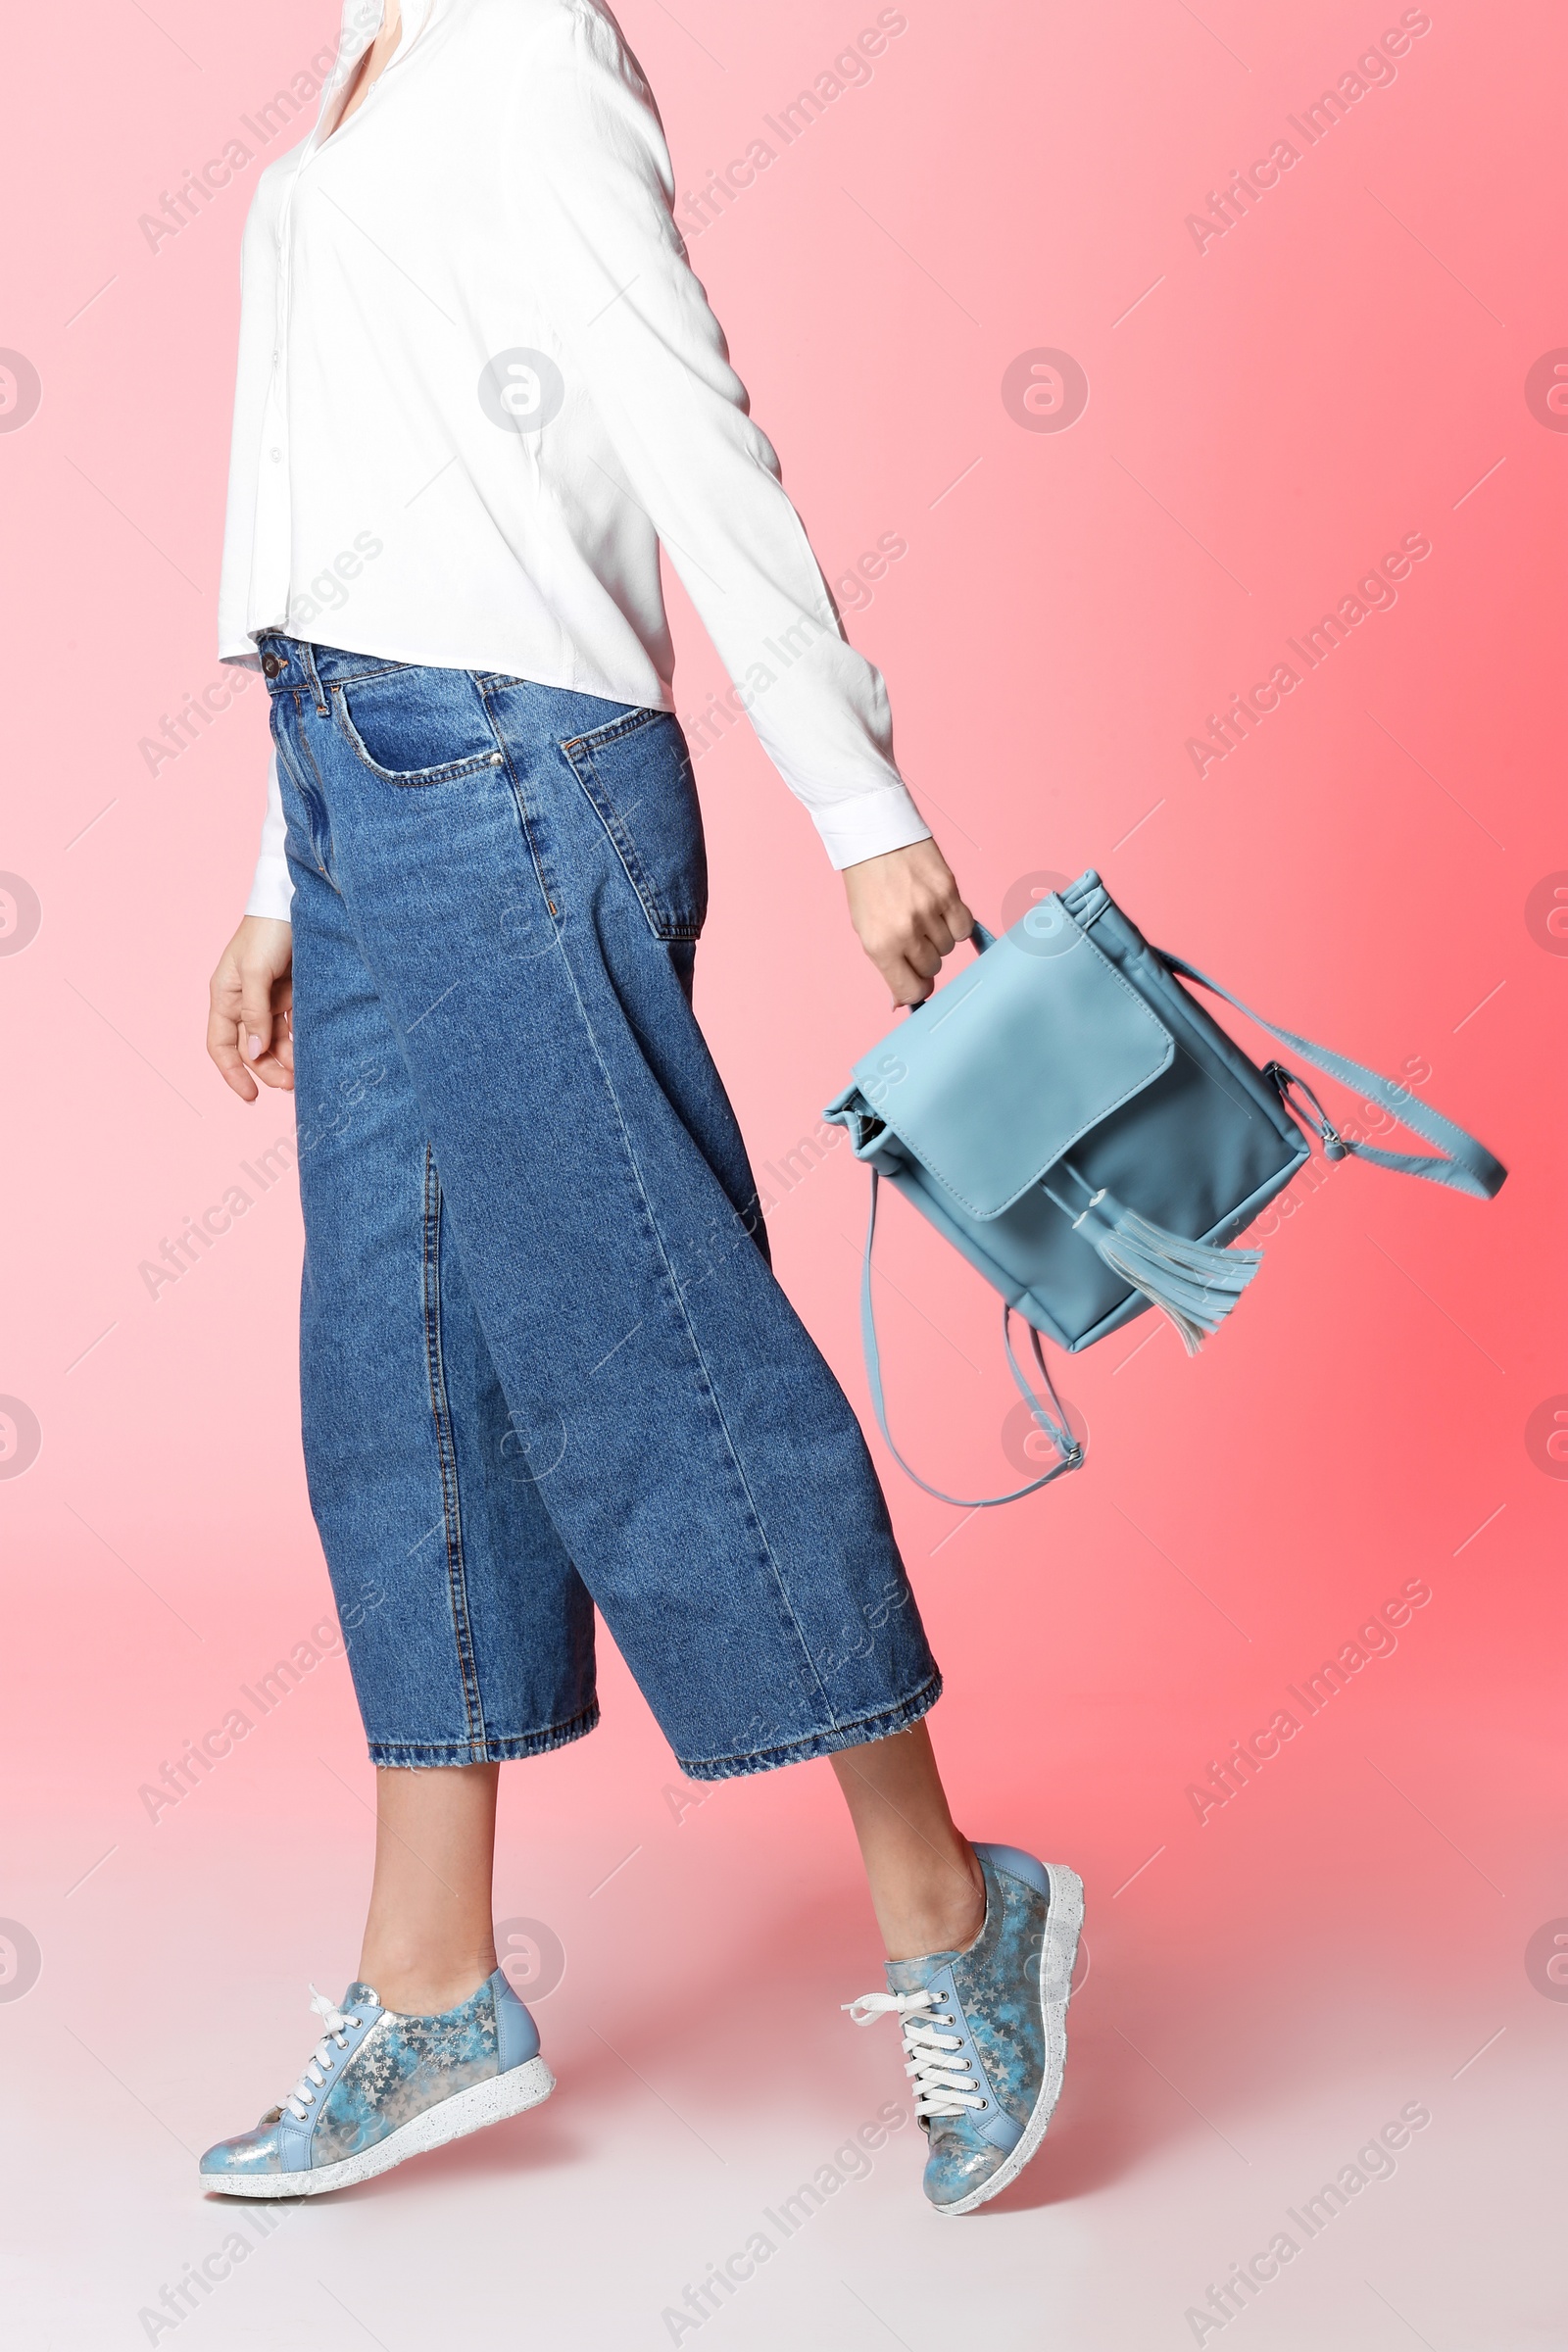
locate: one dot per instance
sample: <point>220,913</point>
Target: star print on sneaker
<point>379,2087</point>
<point>985,2031</point>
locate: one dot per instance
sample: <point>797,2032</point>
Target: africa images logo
<point>1547,1959</point>
<point>1546,390</point>
<point>19,391</point>
<point>521,390</point>
<point>1546,1437</point>
<point>21,913</point>
<point>21,1437</point>
<point>20,1960</point>
<point>1044,390</point>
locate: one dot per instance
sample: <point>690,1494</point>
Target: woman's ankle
<point>422,1983</point>
<point>944,1913</point>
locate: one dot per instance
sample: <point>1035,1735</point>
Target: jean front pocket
<point>637,774</point>
<point>417,725</point>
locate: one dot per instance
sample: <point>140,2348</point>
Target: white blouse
<point>479,387</point>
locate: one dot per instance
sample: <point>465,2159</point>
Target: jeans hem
<point>886,1720</point>
<point>494,1748</point>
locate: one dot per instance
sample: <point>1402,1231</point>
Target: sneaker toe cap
<point>258,2151</point>
<point>958,2164</point>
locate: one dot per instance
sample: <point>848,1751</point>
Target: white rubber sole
<point>511,2093</point>
<point>1064,1919</point>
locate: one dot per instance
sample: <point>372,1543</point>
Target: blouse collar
<point>362,22</point>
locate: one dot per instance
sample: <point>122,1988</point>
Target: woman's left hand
<point>250,1026</point>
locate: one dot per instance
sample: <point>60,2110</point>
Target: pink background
<point>1266,418</point>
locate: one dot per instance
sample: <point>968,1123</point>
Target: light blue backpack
<point>1075,1122</point>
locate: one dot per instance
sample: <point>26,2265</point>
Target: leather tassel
<point>1194,1282</point>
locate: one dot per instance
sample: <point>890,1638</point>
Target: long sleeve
<point>592,190</point>
<point>384,495</point>
<point>272,891</point>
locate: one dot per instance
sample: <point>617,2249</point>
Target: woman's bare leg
<point>926,1886</point>
<point>430,1941</point>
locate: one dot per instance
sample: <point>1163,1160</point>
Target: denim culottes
<point>545,1364</point>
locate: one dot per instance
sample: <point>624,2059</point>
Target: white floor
<point>1239,2037</point>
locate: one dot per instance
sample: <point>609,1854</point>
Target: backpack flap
<point>1000,1072</point>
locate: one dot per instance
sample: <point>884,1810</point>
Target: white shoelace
<point>336,2022</point>
<point>942,2084</point>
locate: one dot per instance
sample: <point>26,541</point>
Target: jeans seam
<point>283,748</point>
<point>823,1741</point>
<point>358,677</point>
<point>520,1744</point>
<point>519,802</point>
<point>451,1511</point>
<point>678,1297</point>
<point>612,729</point>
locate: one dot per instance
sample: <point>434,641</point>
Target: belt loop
<point>308,664</point>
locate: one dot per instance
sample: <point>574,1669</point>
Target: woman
<point>544,1362</point>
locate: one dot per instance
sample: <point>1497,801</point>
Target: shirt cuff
<point>271,890</point>
<point>869,824</point>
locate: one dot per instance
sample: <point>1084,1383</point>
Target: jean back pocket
<point>637,774</point>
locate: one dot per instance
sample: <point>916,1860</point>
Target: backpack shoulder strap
<point>1469,1166</point>
<point>1056,1429</point>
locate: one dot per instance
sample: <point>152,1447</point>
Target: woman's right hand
<point>905,908</point>
<point>250,1028</point>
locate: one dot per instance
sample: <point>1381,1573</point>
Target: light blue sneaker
<point>986,2030</point>
<point>380,2087</point>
